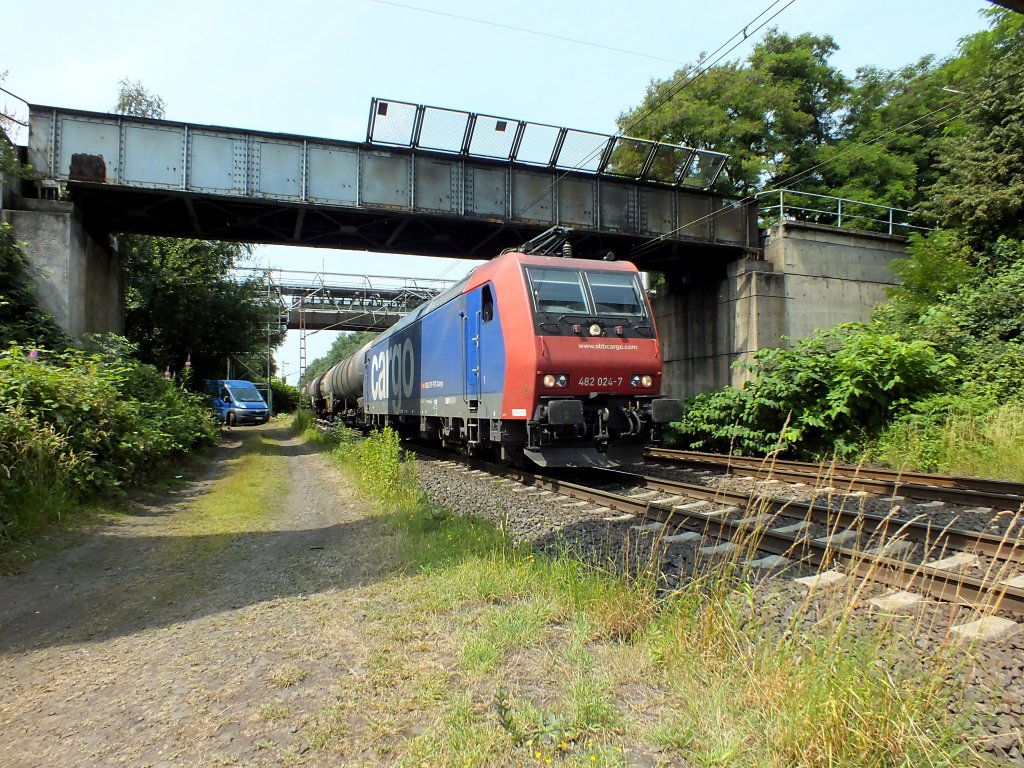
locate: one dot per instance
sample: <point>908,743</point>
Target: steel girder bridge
<point>318,301</point>
<point>426,181</point>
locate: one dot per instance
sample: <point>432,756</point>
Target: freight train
<point>532,356</point>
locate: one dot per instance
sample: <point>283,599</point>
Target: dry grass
<point>514,659</point>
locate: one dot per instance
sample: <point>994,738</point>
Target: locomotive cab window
<point>590,292</point>
<point>557,291</point>
<point>616,293</point>
<point>487,304</point>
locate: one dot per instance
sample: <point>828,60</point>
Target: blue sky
<point>311,68</point>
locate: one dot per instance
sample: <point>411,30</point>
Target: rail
<point>749,522</point>
<point>789,204</point>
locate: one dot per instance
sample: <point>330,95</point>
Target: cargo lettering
<point>393,373</point>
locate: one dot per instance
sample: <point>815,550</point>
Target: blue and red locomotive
<point>551,359</point>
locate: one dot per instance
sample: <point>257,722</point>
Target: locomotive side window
<point>487,304</point>
<point>616,293</point>
<point>558,291</point>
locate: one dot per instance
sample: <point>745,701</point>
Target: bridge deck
<point>168,178</point>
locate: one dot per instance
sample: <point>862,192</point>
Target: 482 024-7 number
<point>600,381</point>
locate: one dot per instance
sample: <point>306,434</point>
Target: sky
<point>311,68</point>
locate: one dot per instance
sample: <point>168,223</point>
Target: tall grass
<point>961,443</point>
<point>37,474</point>
<point>721,683</point>
<point>375,464</point>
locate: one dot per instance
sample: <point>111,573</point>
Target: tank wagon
<point>552,359</point>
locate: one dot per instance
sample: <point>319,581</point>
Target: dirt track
<point>148,643</point>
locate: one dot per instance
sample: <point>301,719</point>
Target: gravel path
<point>124,650</point>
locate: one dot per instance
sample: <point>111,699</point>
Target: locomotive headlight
<point>646,381</point>
<point>555,380</point>
<point>635,381</point>
<point>595,330</point>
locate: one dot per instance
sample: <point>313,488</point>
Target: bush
<point>825,396</point>
<point>286,397</point>
<point>77,423</point>
<point>377,464</point>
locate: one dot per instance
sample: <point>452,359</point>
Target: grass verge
<point>958,443</point>
<point>498,656</point>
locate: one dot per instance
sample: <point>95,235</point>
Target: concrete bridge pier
<point>811,277</point>
<point>78,277</point>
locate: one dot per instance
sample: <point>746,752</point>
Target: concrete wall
<point>78,279</point>
<point>832,275</point>
<point>812,277</point>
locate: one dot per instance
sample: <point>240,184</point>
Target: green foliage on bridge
<point>937,379</point>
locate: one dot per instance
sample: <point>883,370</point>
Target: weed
<point>271,712</point>
<point>287,676</point>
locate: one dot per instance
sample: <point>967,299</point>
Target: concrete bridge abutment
<point>78,277</point>
<point>812,277</point>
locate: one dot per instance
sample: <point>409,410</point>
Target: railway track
<point>971,491</point>
<point>766,533</point>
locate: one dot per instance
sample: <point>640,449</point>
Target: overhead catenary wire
<point>685,80</point>
<point>524,30</point>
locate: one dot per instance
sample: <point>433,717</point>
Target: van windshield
<point>247,395</point>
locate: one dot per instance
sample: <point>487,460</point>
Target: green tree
<point>133,99</point>
<point>981,188</point>
<point>769,114</point>
<point>888,151</point>
<point>182,301</point>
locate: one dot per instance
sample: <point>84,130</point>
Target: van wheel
<point>231,419</point>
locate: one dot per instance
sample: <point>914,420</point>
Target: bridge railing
<point>440,129</point>
<point>789,204</point>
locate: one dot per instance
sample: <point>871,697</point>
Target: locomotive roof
<point>486,272</point>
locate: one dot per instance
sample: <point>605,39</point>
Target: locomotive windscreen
<point>593,292</point>
<point>557,290</point>
<point>616,293</point>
